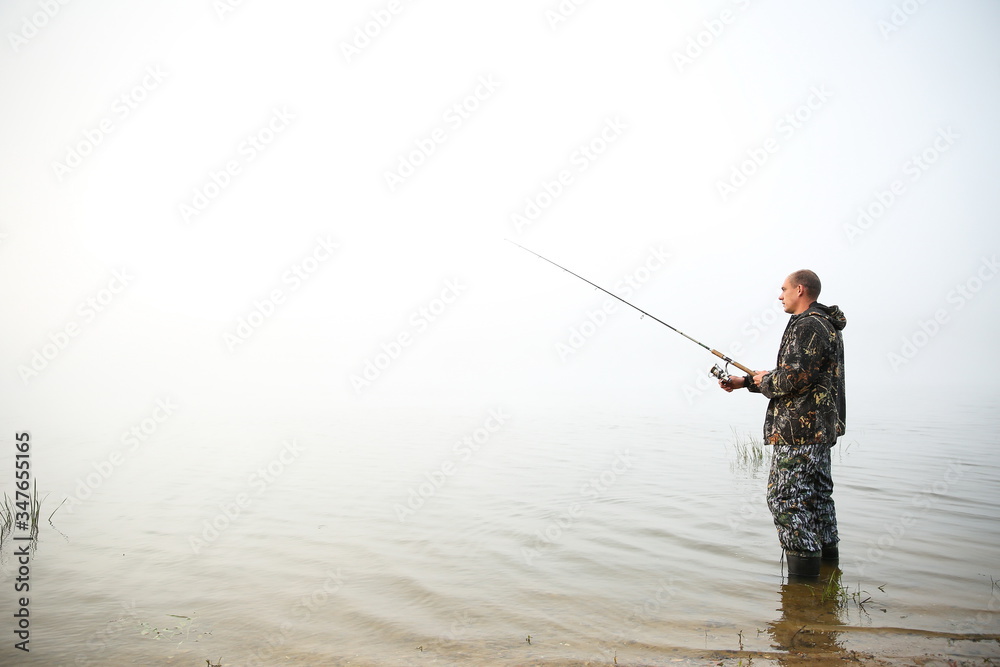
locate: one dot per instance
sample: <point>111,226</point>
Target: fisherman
<point>805,416</point>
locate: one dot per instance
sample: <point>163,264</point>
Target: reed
<point>835,591</point>
<point>32,507</point>
<point>6,517</point>
<point>749,451</point>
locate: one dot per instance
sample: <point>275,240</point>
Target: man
<point>805,416</point>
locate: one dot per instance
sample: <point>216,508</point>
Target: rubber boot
<point>831,552</point>
<point>804,567</point>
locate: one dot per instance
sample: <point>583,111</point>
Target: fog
<point>258,210</point>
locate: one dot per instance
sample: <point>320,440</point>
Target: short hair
<point>809,281</point>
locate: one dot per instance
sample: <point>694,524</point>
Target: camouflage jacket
<point>807,388</point>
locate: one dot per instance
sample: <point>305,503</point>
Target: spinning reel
<point>719,372</point>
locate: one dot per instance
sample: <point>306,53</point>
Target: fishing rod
<point>716,370</point>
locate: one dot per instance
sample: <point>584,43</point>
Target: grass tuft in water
<point>749,452</point>
<point>835,592</point>
<point>11,510</point>
<point>6,518</point>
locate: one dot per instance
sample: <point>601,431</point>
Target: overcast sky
<point>259,205</point>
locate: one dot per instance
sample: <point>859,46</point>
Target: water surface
<point>502,536</point>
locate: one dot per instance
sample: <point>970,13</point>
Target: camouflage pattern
<point>800,497</point>
<point>805,416</point>
<point>806,388</point>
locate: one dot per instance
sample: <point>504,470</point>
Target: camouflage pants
<point>800,497</point>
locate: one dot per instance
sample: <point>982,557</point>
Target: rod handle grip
<point>734,363</point>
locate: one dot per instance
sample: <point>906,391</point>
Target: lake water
<point>503,536</point>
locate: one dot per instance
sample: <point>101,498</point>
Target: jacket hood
<point>832,314</point>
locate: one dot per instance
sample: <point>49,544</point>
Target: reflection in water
<point>807,606</point>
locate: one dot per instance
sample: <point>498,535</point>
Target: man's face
<point>791,296</point>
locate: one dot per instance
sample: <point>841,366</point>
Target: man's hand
<point>758,377</point>
<point>734,382</point>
